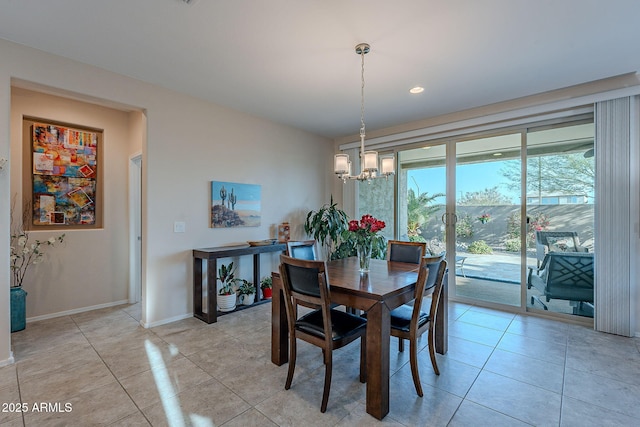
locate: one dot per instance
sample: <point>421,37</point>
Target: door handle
<point>445,217</point>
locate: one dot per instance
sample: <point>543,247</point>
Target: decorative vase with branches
<point>26,251</point>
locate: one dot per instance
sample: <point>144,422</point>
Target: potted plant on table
<point>24,253</point>
<point>266,285</point>
<point>227,293</point>
<point>247,291</point>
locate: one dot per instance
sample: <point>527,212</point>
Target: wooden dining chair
<point>305,284</point>
<point>400,251</point>
<point>410,322</point>
<point>305,249</point>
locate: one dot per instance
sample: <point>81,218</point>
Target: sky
<point>470,177</point>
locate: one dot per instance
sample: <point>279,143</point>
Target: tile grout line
<point>111,372</point>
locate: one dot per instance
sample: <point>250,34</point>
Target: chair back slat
<point>303,280</point>
<point>441,277</point>
<point>430,278</point>
<point>302,250</point>
<point>410,252</point>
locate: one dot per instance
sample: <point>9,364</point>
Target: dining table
<point>387,285</point>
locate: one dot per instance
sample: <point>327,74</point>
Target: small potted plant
<point>247,291</point>
<point>227,293</point>
<point>265,284</point>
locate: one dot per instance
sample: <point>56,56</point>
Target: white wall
<point>189,143</point>
<point>90,269</point>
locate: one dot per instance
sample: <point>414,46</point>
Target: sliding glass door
<point>484,201</point>
<point>488,219</point>
<point>560,210</point>
<point>422,188</point>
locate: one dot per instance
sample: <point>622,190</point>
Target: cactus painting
<point>235,205</point>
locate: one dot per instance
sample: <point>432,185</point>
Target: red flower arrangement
<point>364,232</point>
<point>367,226</point>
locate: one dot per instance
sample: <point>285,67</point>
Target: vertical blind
<point>616,218</point>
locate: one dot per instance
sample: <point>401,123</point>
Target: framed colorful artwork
<point>64,172</point>
<point>235,205</point>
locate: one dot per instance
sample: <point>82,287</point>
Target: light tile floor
<point>502,369</point>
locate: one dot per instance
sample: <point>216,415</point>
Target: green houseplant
<point>247,291</point>
<point>227,292</point>
<point>326,225</point>
<point>266,285</point>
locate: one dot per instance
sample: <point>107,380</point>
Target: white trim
<point>9,361</point>
<point>557,109</point>
<point>135,231</point>
<point>75,311</point>
<point>165,321</point>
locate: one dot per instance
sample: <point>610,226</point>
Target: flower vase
<point>18,309</point>
<point>364,255</point>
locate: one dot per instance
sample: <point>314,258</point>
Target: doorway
<point>135,229</point>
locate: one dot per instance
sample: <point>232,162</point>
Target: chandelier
<point>368,159</point>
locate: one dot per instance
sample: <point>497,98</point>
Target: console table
<point>211,255</point>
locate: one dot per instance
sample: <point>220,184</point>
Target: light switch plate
<point>179,227</point>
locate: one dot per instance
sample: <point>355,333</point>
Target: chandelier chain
<point>362,133</point>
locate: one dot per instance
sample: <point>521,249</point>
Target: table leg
<point>212,291</point>
<point>256,276</point>
<point>279,333</point>
<point>378,338</point>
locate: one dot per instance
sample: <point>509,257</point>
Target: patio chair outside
<point>557,241</point>
<point>566,276</point>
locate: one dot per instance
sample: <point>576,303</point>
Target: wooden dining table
<point>386,286</point>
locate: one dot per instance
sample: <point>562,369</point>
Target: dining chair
<point>305,283</point>
<point>410,322</point>
<point>302,249</point>
<point>400,251</point>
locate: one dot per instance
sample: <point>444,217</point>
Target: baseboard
<point>165,321</point>
<point>76,311</point>
<point>9,361</point>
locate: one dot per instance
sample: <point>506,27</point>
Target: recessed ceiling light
<point>416,89</point>
<point>497,154</point>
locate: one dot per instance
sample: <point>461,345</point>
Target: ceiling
<point>293,61</point>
